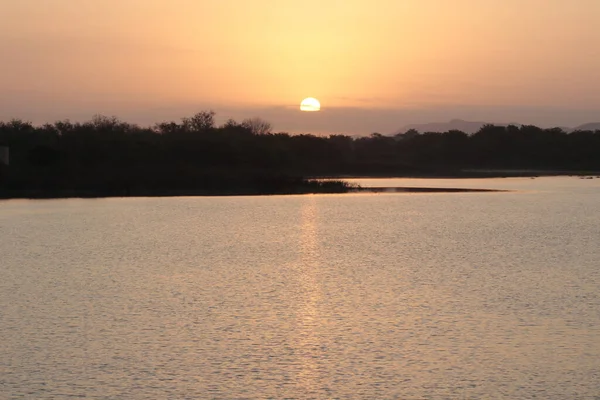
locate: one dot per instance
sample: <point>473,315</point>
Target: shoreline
<point>38,195</point>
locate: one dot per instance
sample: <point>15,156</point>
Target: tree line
<point>194,155</point>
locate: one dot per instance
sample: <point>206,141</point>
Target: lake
<point>365,295</point>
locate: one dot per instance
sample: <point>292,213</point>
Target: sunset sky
<point>375,65</point>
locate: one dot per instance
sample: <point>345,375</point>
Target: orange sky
<point>65,58</point>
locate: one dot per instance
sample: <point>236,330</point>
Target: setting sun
<point>310,104</point>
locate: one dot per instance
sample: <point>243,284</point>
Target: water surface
<point>416,295</point>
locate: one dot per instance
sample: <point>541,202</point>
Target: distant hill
<point>592,126</point>
<point>455,124</point>
<point>473,126</point>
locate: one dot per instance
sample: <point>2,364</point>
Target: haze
<point>374,65</point>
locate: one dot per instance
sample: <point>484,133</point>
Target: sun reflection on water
<point>308,346</point>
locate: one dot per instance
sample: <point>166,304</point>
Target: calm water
<point>408,296</point>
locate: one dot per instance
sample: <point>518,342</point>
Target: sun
<point>310,104</point>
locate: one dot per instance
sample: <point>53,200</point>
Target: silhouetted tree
<point>257,126</point>
<point>409,134</point>
<point>200,122</point>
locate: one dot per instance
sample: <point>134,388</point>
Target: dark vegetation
<point>108,157</point>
